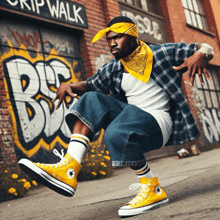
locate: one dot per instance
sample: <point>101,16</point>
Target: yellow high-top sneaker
<point>60,177</point>
<point>151,195</point>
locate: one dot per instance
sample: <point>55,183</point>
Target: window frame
<point>145,5</point>
<point>195,14</point>
<point>209,93</point>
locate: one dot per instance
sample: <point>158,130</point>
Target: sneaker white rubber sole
<point>44,178</point>
<point>128,211</point>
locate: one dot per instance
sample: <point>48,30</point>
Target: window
<point>195,14</point>
<point>147,5</point>
<point>209,94</point>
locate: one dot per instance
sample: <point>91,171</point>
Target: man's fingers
<point>53,100</point>
<point>66,103</point>
<point>58,104</point>
<point>200,76</point>
<point>192,75</point>
<point>72,94</point>
<point>179,67</point>
<point>63,91</point>
<point>206,73</point>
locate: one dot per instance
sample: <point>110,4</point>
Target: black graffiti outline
<point>30,145</point>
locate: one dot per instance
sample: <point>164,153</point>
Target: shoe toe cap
<point>125,207</point>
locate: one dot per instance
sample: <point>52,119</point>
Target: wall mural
<point>210,119</point>
<point>30,85</point>
<point>31,77</point>
<point>211,124</point>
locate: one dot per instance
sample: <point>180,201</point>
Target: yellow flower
<point>94,173</point>
<point>107,157</point>
<point>22,180</point>
<point>6,171</point>
<point>103,164</point>
<point>12,190</point>
<point>102,172</point>
<point>14,176</point>
<point>15,194</point>
<point>89,164</point>
<point>107,152</point>
<point>27,185</point>
<point>34,182</point>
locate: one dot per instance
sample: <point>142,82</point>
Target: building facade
<point>44,43</point>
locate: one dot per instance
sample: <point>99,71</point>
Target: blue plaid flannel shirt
<point>108,81</point>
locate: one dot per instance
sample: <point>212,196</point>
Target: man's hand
<point>195,64</point>
<point>73,90</point>
<point>63,91</point>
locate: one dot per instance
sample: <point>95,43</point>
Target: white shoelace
<point>142,194</point>
<point>61,156</point>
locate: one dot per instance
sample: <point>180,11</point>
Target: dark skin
<point>195,64</point>
<point>120,46</point>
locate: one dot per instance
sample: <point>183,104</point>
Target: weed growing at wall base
<point>14,186</point>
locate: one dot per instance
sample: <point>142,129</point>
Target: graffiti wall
<point>208,103</point>
<point>211,124</point>
<point>35,62</point>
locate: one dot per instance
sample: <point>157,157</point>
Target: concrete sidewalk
<point>170,170</point>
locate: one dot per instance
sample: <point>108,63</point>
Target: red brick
<point>178,31</point>
<point>3,104</point>
<point>6,131</point>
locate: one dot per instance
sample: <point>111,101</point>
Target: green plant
<point>14,185</point>
<point>96,161</point>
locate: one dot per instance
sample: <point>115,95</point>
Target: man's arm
<point>97,82</point>
<point>72,89</point>
<point>197,62</point>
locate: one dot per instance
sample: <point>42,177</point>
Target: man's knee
<point>91,95</point>
<point>114,136</point>
<point>131,110</point>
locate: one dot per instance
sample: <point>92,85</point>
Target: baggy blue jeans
<point>129,131</point>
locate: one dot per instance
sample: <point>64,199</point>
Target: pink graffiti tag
<point>27,40</point>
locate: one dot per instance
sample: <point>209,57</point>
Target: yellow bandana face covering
<point>122,28</point>
<point>139,62</point>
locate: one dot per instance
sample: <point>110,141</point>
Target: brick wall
<point>215,6</point>
<point>99,13</point>
<point>179,31</point>
<point>8,159</point>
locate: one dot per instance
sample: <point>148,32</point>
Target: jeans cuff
<point>84,120</point>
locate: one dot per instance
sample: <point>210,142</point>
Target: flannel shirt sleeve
<point>100,81</point>
<point>182,51</point>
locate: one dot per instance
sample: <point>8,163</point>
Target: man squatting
<point>146,110</point>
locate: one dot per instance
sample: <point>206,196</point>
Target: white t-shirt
<point>151,98</point>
